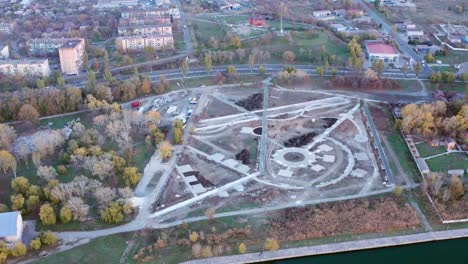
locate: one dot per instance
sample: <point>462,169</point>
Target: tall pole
<point>281,18</point>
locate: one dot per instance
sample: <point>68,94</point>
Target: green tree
<point>35,244</point>
<point>112,214</point>
<point>261,70</point>
<point>131,176</point>
<point>464,76</point>
<point>18,250</point>
<point>91,79</point>
<point>32,202</point>
<point>184,67</point>
<point>242,248</point>
<point>271,244</point>
<point>20,185</point>
<point>381,67</point>
<point>108,75</point>
<point>40,83</point>
<point>251,62</point>
<point>429,58</point>
<point>47,215</point>
<point>456,187</point>
<point>165,150</point>
<point>405,69</point>
<point>85,60</point>
<point>65,215</point>
<point>397,191</point>
<point>208,62</point>
<point>417,68</point>
<point>60,82</point>
<point>17,202</point>
<point>320,71</point>
<point>177,137</point>
<point>48,238</point>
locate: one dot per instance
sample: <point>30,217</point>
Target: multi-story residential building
<point>165,29</point>
<point>6,27</point>
<point>4,52</point>
<point>165,11</point>
<point>71,56</point>
<point>144,20</point>
<point>111,4</point>
<point>25,67</point>
<point>46,46</point>
<point>138,43</point>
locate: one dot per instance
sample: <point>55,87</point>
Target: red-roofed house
<point>257,20</point>
<point>377,50</point>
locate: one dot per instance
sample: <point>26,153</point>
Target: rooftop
<point>381,48</point>
<point>71,43</point>
<point>8,223</point>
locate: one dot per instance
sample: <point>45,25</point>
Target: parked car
<point>135,104</point>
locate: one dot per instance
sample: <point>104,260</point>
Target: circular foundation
<point>294,157</point>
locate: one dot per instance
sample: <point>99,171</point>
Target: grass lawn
<point>305,45</point>
<point>207,81</point>
<point>103,250</point>
<point>410,85</point>
<point>452,161</point>
<point>448,87</point>
<point>401,150</point>
<point>426,150</point>
<point>59,122</point>
<point>74,226</point>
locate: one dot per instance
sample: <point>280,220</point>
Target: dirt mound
<point>244,156</point>
<point>300,141</point>
<point>200,178</point>
<point>329,122</point>
<point>253,102</point>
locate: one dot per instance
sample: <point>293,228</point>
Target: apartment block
<point>25,67</point>
<point>138,43</point>
<point>6,27</point>
<point>71,56</point>
<point>164,11</point>
<point>46,46</point>
<point>4,52</point>
<point>164,29</point>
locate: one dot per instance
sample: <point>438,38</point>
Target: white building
<point>11,226</point>
<point>145,30</point>
<point>4,52</point>
<point>377,50</point>
<point>26,67</point>
<point>138,43</point>
<point>6,27</point>
<point>338,27</point>
<point>111,4</point>
<point>323,15</point>
<point>414,33</point>
<point>151,12</point>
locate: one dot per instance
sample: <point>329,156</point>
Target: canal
<point>427,253</point>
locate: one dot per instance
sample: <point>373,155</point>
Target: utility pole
<point>281,17</point>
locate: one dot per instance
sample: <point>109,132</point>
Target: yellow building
<point>71,56</point>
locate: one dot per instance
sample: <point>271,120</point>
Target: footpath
<point>335,247</point>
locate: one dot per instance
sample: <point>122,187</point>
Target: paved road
<point>388,29</point>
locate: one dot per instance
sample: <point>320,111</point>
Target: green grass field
<point>452,161</point>
<point>426,150</point>
<point>448,87</point>
<point>102,250</point>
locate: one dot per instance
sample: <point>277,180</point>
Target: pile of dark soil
<point>244,156</point>
<point>253,102</point>
<point>206,183</point>
<point>300,141</point>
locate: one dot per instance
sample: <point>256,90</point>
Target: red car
<point>136,104</point>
